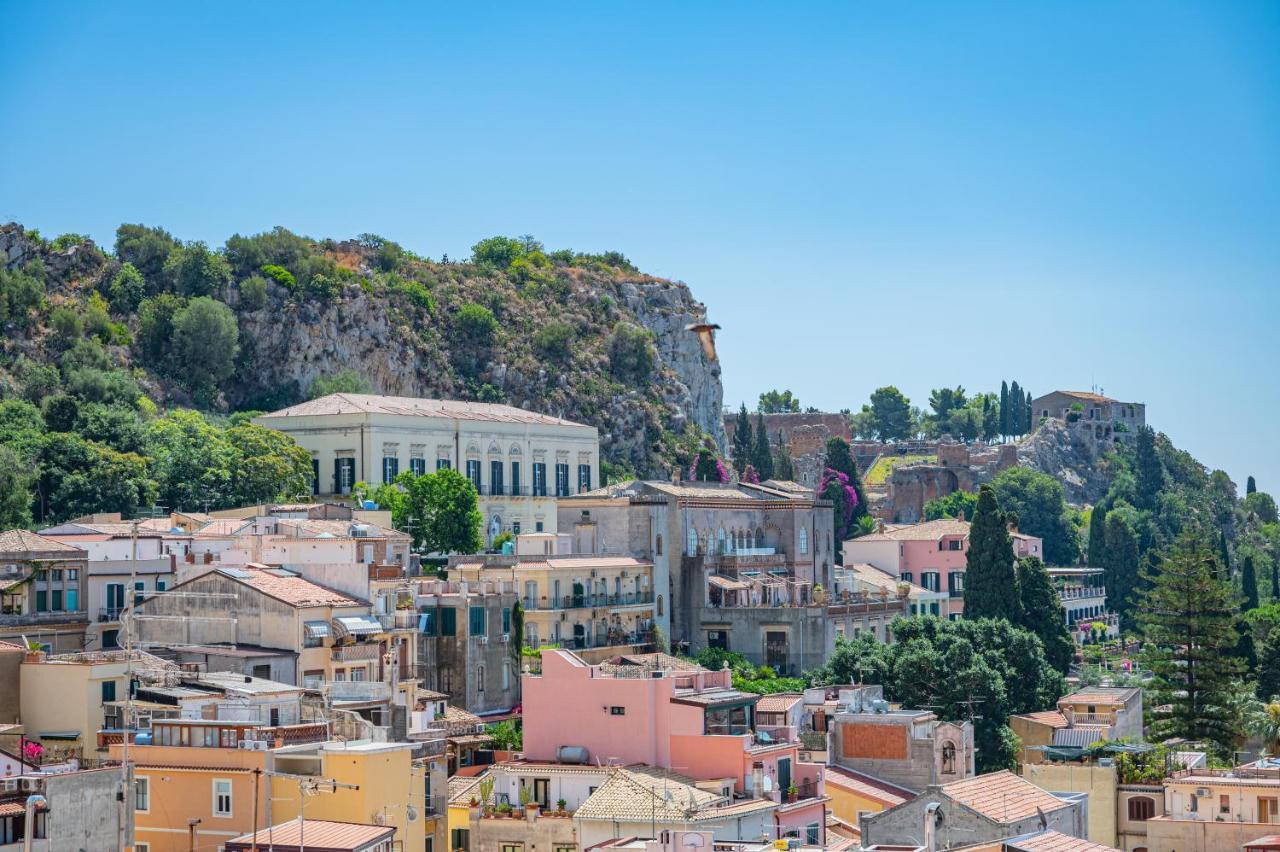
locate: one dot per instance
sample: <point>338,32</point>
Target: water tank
<point>571,754</point>
<point>142,738</point>
<point>369,505</point>
<point>879,705</point>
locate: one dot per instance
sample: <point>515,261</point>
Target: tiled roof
<point>359,403</point>
<point>695,490</point>
<point>1085,395</point>
<point>1101,695</point>
<point>319,834</point>
<point>631,795</point>
<point>873,576</point>
<point>1052,718</point>
<point>461,787</point>
<point>17,807</point>
<point>19,542</point>
<point>779,702</point>
<point>1055,841</point>
<point>288,588</point>
<point>224,526</point>
<point>1002,796</point>
<point>630,663</point>
<point>927,531</point>
<point>338,529</point>
<point>868,785</point>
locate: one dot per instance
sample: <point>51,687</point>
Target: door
<point>115,600</point>
<point>784,775</point>
<point>1267,809</point>
<point>542,792</point>
<point>775,650</point>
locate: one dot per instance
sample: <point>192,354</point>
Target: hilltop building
<point>1108,418</point>
<point>520,461</point>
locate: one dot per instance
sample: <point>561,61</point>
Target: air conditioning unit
<point>31,785</point>
<point>10,569</point>
<point>484,640</point>
<point>506,637</point>
<point>253,745</point>
<point>10,785</point>
<point>1202,792</point>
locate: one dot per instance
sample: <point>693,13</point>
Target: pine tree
<point>1004,409</point>
<point>1015,409</point>
<point>743,445</point>
<point>1250,487</point>
<point>1042,613</point>
<point>1148,471</point>
<point>840,458</point>
<point>990,582</point>
<point>1097,537</point>
<point>1248,583</point>
<point>761,453</point>
<point>1120,565</point>
<point>1188,615</point>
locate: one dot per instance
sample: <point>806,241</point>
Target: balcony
<point>11,619</point>
<point>401,619</point>
<point>109,614</point>
<point>587,601</point>
<point>746,561</point>
<point>355,653</point>
<point>1077,593</point>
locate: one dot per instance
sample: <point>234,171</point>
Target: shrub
<point>345,380</point>
<point>194,270</point>
<point>67,326</point>
<point>205,342</point>
<point>498,252</point>
<point>322,287</point>
<point>66,241</point>
<point>415,291</point>
<point>253,293</point>
<point>553,339</point>
<point>281,276</point>
<point>632,355</point>
<point>38,380</point>
<point>477,323</point>
<point>126,290</point>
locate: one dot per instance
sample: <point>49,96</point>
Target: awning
<point>316,629</point>
<point>728,583</point>
<point>59,735</point>
<point>356,625</point>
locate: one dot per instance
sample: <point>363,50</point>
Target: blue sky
<point>863,194</point>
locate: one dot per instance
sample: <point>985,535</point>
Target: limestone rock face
<point>1069,455</point>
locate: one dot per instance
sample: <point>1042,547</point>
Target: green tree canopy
<point>1121,561</point>
<point>778,402</point>
<point>761,452</point>
<point>147,250</point>
<point>445,510</point>
<point>16,480</point>
<point>957,504</point>
<point>206,339</point>
<point>990,582</point>
<point>890,414</point>
<point>839,457</point>
<point>267,465</point>
<point>1262,506</point>
<point>1041,506</point>
<point>1042,613</point>
<point>743,442</point>
<point>194,270</point>
<point>345,380</point>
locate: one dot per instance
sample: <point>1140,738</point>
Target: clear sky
<point>863,194</point>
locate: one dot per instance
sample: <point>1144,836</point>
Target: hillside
<point>257,323</point>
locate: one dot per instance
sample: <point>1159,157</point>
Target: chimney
<point>932,819</point>
<point>675,473</point>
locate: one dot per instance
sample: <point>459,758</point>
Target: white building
<point>519,461</point>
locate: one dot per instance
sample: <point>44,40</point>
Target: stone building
<point>1109,419</point>
<point>520,461</point>
<point>41,591</point>
<point>958,467</point>
<point>466,649</point>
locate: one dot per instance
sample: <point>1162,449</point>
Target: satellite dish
<point>412,813</point>
<point>379,819</point>
<point>767,784</point>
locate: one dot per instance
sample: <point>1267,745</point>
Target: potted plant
<point>792,792</point>
<point>560,805</point>
<point>904,590</point>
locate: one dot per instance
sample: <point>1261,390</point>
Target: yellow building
<point>854,794</point>
<point>1074,777</point>
<point>377,783</point>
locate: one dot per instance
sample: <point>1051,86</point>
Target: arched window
<point>721,547</point>
<point>658,545</point>
<point>659,607</point>
<point>948,758</point>
<point>692,549</point>
<point>1141,808</point>
<point>751,539</point>
<point>804,541</point>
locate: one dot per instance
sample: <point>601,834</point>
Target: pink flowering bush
<point>32,752</point>
<point>835,486</point>
<point>749,475</point>
<point>707,468</point>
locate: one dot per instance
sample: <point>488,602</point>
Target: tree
<point>206,339</point>
<point>835,486</point>
<point>1250,486</point>
<point>191,460</point>
<point>1248,583</point>
<point>778,402</point>
<point>1120,568</point>
<point>839,457</point>
<point>965,423</point>
<point>990,417</point>
<point>782,468</point>
<point>1275,579</point>
<point>193,270</point>
<point>446,510</point>
<point>890,414</point>
<point>267,465</point>
<point>743,444</point>
<point>990,587</point>
<point>79,477</point>
<point>762,454</point>
<point>1269,667</point>
<point>632,356</point>
<point>1097,536</point>
<point>517,635</point>
<point>498,252</point>
<point>707,467</point>
<point>1041,506</point>
<point>1042,613</point>
<point>1262,506</point>
<point>345,380</point>
<point>957,504</point>
<point>127,289</point>
<point>1187,616</point>
<point>1028,418</point>
<point>943,401</point>
<point>477,324</point>
<point>1004,409</point>
<point>155,328</point>
<point>146,249</point>
<point>16,480</point>
<point>253,293</point>
<point>1148,470</point>
<point>1015,410</point>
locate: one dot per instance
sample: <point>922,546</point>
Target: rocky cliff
<point>553,332</point>
<point>1072,456</point>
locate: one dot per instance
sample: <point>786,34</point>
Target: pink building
<point>657,710</point>
<point>932,555</point>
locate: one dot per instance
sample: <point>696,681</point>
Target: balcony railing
<point>355,653</point>
<point>108,614</point>
<point>1106,719</point>
<point>15,619</point>
<point>1085,593</point>
<point>586,601</point>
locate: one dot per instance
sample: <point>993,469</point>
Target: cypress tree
<point>1042,613</point>
<point>1275,580</point>
<point>1188,616</point>
<point>1015,409</point>
<point>782,466</point>
<point>1269,667</point>
<point>1250,486</point>
<point>1097,537</point>
<point>1026,410</point>
<point>1120,568</point>
<point>1004,409</point>
<point>743,445</point>
<point>990,582</point>
<point>1148,471</point>
<point>1224,560</point>
<point>1248,583</point>
<point>762,454</point>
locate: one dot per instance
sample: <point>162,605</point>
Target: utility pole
<point>307,785</point>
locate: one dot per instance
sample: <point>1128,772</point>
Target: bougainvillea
<point>749,475</point>
<point>707,468</point>
<point>835,486</point>
<point>32,752</point>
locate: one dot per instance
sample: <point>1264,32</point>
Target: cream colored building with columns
<point>520,461</point>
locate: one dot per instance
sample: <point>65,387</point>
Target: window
<point>512,847</point>
<point>948,758</point>
<point>42,601</point>
<point>907,577</point>
<point>1267,809</point>
<point>617,711</point>
<point>473,473</point>
<point>417,466</point>
<point>954,544</point>
<point>57,600</point>
<point>515,478</point>
<point>315,476</point>
<point>584,478</point>
<point>161,585</point>
<point>138,588</point>
<point>929,579</point>
<point>344,474</point>
<point>692,549</point>
<point>506,620</point>
<point>476,621</point>
<point>312,679</point>
<point>443,464</point>
<point>658,545</point>
<point>562,480</point>
<point>480,679</point>
<point>221,797</point>
<point>460,838</point>
<point>358,673</point>
<point>811,833</point>
<point>804,541</point>
<point>955,583</point>
<point>108,691</point>
<point>340,675</point>
<point>390,468</point>
<point>506,676</point>
<point>1224,803</point>
<point>495,478</point>
<point>1141,808</point>
<point>539,479</point>
<point>142,794</point>
<point>73,574</point>
<point>449,621</point>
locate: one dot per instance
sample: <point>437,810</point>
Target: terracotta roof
<point>779,702</point>
<point>1002,796</point>
<point>736,492</point>
<point>1052,718</point>
<point>927,531</point>
<point>10,646</point>
<point>1101,695</point>
<point>288,588</point>
<point>632,795</point>
<point>867,785</point>
<point>338,529</point>
<point>630,663</point>
<point>17,807</point>
<point>1086,395</point>
<point>461,787</point>
<point>19,542</point>
<point>1055,841</point>
<point>318,834</point>
<point>359,403</point>
<point>873,576</point>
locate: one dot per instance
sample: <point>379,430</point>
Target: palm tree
<point>1263,722</point>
